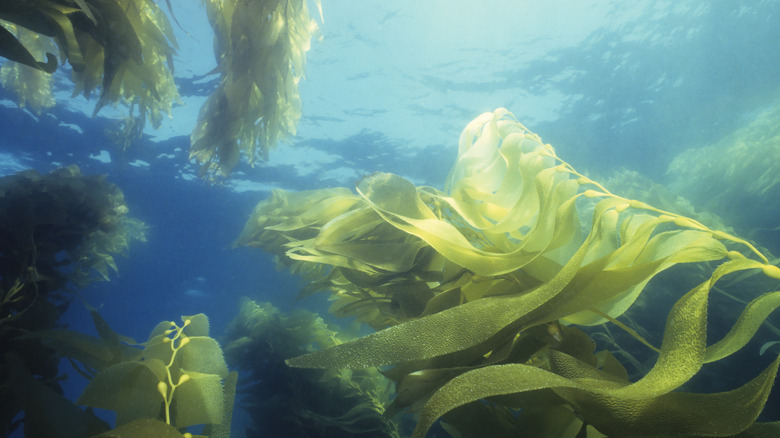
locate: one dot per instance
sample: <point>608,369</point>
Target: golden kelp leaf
<point>198,325</point>
<point>202,354</point>
<point>12,49</point>
<point>384,192</point>
<point>746,326</point>
<point>129,388</point>
<point>222,428</point>
<point>682,354</point>
<point>445,332</point>
<point>505,253</point>
<point>199,400</point>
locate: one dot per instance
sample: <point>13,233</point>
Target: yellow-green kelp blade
<point>677,414</point>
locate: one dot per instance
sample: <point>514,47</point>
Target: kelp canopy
<point>479,289</point>
<point>123,47</point>
<point>260,47</point>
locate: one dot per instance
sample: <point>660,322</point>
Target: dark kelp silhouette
<point>59,231</point>
<point>284,401</point>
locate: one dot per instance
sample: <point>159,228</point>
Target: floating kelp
<point>260,49</point>
<point>282,401</point>
<point>476,282</point>
<point>123,47</point>
<point>57,230</point>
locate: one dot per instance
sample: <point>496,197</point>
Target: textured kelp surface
<point>478,290</point>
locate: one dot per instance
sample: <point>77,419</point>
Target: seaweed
<point>58,231</point>
<point>178,378</point>
<point>260,50</point>
<point>282,401</point>
<point>123,47</point>
<point>500,268</point>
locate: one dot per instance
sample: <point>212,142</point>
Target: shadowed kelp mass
<point>479,289</point>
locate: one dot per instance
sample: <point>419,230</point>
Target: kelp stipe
<point>464,279</point>
<point>179,372</point>
<point>176,381</point>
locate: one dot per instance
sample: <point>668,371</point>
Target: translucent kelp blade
<point>222,428</point>
<point>445,332</point>
<point>198,325</point>
<point>746,326</point>
<point>199,400</point>
<point>202,353</point>
<point>385,192</point>
<point>129,388</point>
<point>682,354</point>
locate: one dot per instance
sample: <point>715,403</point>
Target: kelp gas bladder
<point>474,283</point>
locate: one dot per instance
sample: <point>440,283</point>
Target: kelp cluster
<point>283,401</point>
<point>260,47</point>
<point>482,287</point>
<point>738,173</point>
<point>122,47</point>
<point>175,380</point>
<point>57,231</point>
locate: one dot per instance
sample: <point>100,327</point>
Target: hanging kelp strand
<point>260,48</point>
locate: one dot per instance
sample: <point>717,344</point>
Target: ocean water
<point>614,86</point>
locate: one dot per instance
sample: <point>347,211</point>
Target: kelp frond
<point>260,47</point>
<point>504,251</point>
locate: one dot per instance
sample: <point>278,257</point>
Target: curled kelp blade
<point>445,332</point>
<point>603,402</point>
<point>508,264</point>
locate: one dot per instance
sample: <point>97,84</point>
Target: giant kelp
<point>738,173</point>
<point>32,86</point>
<point>122,47</point>
<point>474,283</point>
<point>283,401</point>
<point>260,49</point>
<point>177,379</point>
<point>58,231</point>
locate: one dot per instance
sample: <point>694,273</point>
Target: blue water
<point>389,87</point>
